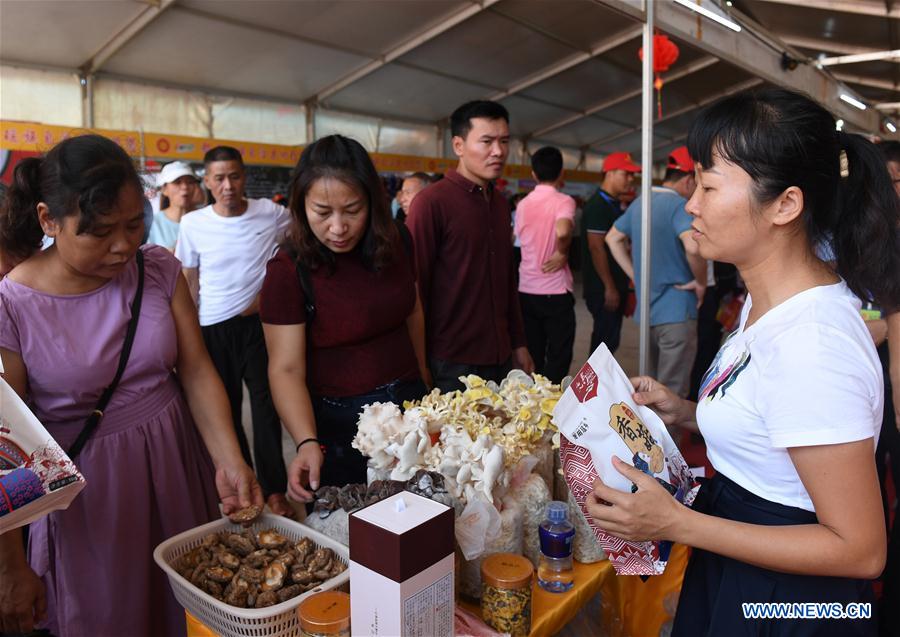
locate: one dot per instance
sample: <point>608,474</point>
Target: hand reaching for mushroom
<point>237,487</point>
<point>303,474</point>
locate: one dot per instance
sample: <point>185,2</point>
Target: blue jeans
<point>336,427</point>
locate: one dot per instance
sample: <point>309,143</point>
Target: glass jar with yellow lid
<point>325,614</point>
<point>506,593</point>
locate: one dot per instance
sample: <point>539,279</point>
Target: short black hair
<point>547,163</point>
<point>673,174</point>
<point>425,178</point>
<point>223,153</point>
<point>461,120</point>
<point>890,150</point>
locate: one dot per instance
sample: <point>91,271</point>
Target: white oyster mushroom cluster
<point>402,443</point>
<point>474,438</point>
<point>393,440</point>
<point>469,467</point>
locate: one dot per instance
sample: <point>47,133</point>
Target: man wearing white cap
<point>677,272</point>
<point>180,192</point>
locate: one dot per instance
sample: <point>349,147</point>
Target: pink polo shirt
<point>536,217</point>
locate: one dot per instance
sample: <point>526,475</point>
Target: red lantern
<point>665,54</point>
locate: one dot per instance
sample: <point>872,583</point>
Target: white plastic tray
<point>279,620</point>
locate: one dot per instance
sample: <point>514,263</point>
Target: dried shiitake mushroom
<point>256,570</point>
<point>246,516</point>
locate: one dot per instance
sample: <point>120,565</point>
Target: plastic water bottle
<point>555,573</point>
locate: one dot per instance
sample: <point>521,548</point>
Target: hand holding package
<point>598,418</point>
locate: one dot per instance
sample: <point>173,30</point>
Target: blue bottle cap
<point>557,511</point>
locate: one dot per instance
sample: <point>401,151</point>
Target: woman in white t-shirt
<point>791,407</point>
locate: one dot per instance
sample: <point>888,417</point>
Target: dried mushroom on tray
<point>255,570</point>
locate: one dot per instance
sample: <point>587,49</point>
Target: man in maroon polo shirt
<point>464,259</point>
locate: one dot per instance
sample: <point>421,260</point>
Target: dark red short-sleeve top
<point>358,339</point>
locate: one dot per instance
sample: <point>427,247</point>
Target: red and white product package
<point>598,418</point>
<point>36,475</point>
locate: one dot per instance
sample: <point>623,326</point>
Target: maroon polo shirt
<point>465,271</point>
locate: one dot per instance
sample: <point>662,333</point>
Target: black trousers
<point>607,325</point>
<point>445,374</point>
<point>238,351</point>
<point>715,586</point>
<point>709,330</point>
<point>709,339</point>
<point>336,425</point>
<point>549,331</point>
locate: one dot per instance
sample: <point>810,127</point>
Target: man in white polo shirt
<point>224,249</point>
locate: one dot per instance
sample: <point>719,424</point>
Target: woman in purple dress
<point>165,445</point>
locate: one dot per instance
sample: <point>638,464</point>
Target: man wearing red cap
<point>605,284</point>
<point>677,272</point>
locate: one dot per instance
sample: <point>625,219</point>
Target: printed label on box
<point>422,606</point>
<point>430,611</point>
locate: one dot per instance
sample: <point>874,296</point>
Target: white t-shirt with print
<point>805,373</point>
<point>231,253</point>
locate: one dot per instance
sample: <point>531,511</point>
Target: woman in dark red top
<point>365,341</point>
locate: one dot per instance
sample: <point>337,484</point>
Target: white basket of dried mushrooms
<point>247,581</point>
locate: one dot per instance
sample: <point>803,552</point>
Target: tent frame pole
<point>646,184</point>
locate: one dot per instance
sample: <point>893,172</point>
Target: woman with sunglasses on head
<point>791,408</point>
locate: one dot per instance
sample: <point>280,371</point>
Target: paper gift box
<point>402,568</point>
<point>36,475</point>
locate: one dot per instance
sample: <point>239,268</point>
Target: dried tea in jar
<point>325,614</point>
<point>506,593</point>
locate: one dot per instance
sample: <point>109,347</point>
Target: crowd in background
<point>346,296</point>
<point>609,292</point>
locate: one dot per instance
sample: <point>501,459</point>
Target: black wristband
<point>315,440</point>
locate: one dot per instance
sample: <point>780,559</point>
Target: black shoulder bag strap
<point>97,415</point>
<point>309,299</point>
<point>309,303</point>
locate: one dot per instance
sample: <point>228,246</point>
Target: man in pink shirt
<point>544,222</point>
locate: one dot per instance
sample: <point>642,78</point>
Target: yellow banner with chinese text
<point>34,137</point>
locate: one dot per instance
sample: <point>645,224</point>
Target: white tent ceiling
<point>817,28</point>
<point>567,70</point>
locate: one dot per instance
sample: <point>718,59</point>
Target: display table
<point>550,611</point>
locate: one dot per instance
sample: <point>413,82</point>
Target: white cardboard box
<point>402,568</point>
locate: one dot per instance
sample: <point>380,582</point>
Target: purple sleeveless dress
<point>148,474</point>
